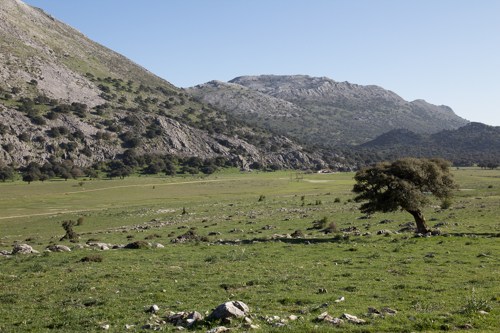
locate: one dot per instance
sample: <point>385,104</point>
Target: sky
<point>446,52</point>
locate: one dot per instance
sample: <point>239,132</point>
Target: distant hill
<point>474,143</point>
<point>321,111</point>
<point>65,97</point>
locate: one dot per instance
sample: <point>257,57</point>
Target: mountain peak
<point>323,111</point>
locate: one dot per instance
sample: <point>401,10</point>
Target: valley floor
<point>247,237</point>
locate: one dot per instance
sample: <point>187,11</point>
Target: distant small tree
<point>404,184</point>
<point>6,173</point>
<point>68,227</point>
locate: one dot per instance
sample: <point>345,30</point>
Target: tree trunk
<point>420,221</point>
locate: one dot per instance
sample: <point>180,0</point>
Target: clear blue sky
<point>444,51</point>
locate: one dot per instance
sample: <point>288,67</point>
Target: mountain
<point>65,97</point>
<point>321,111</point>
<point>467,145</point>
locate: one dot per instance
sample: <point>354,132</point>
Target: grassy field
<point>244,252</point>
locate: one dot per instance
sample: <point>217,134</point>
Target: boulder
<point>23,249</point>
<point>231,309</point>
<point>58,248</point>
<point>353,319</point>
<point>329,319</point>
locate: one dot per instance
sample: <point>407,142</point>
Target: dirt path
<point>110,188</point>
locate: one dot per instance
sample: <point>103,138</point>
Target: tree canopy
<point>405,184</point>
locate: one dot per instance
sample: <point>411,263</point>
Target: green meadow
<point>241,248</point>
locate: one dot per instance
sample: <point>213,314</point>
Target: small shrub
<point>80,221</point>
<point>140,244</point>
<point>446,203</point>
<point>474,304</point>
<point>70,233</point>
<point>336,199</point>
<point>92,258</point>
<point>320,224</point>
<point>298,234</point>
<point>262,198</point>
<point>331,229</point>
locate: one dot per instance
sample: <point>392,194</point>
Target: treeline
<point>128,164</point>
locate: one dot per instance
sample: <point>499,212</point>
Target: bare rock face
<point>322,111</point>
<point>232,309</point>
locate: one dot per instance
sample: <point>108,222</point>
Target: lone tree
<point>404,184</point>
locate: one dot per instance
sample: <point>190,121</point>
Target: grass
<point>437,283</point>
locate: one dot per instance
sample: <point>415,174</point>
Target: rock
<point>5,253</point>
<point>157,246</point>
<point>322,316</point>
<point>388,311</point>
<point>335,321</point>
<point>127,326</point>
<point>232,309</point>
<point>23,249</point>
<point>58,248</point>
<point>153,308</point>
<point>353,319</point>
<point>322,291</point>
<point>340,299</point>
<point>483,312</point>
<point>100,246</point>
<point>384,232</point>
<point>293,317</point>
<point>329,319</point>
<point>193,318</point>
<point>219,329</point>
<point>105,327</point>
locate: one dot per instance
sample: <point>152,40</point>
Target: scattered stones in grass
<point>219,329</point>
<point>325,317</point>
<point>184,318</point>
<point>382,312</point>
<point>99,246</point>
<point>340,299</point>
<point>189,236</point>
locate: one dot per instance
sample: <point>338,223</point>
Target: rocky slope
<point>63,96</point>
<point>320,111</point>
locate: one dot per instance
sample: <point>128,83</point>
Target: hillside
<point>321,111</point>
<point>467,145</point>
<point>65,97</point>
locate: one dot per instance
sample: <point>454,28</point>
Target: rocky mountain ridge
<point>321,111</point>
